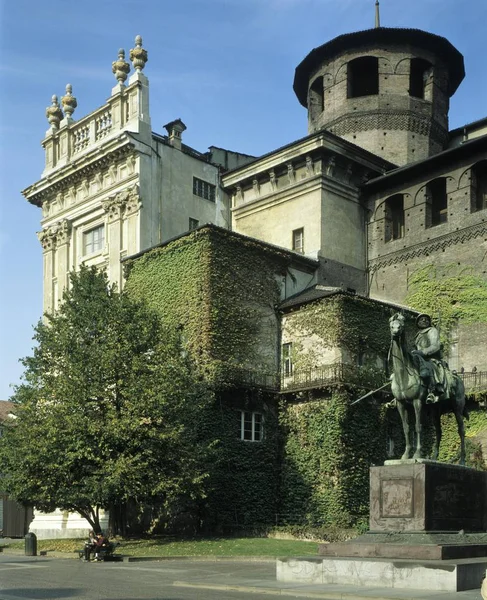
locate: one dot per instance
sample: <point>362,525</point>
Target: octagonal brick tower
<point>384,89</point>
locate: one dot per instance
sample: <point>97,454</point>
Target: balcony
<point>337,373</point>
<point>368,378</point>
<point>475,382</point>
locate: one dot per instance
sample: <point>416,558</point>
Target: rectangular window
<point>193,223</point>
<point>94,240</point>
<point>394,218</point>
<point>203,189</point>
<point>287,360</point>
<point>437,202</point>
<point>298,240</point>
<point>479,186</point>
<point>251,426</point>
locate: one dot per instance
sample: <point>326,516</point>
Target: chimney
<point>174,130</point>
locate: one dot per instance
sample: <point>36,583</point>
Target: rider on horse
<point>427,356</point>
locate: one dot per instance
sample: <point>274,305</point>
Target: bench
<point>106,553</point>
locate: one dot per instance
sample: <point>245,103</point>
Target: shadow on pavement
<point>50,594</point>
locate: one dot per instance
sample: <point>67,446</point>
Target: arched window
<point>419,73</point>
<point>436,202</point>
<point>363,77</point>
<point>316,103</point>
<point>394,218</point>
<point>479,186</point>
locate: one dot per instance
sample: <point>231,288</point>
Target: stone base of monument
<point>446,576</point>
<point>428,524</point>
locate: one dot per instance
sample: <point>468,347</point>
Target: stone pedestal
<point>428,530</point>
<point>420,496</point>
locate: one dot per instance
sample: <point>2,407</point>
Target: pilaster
<point>121,213</point>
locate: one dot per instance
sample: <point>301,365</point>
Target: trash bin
<point>30,544</point>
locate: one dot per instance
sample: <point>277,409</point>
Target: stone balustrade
<point>125,110</point>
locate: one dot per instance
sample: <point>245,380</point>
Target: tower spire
<point>377,14</point>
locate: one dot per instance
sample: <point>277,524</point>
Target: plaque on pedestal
<point>425,517</point>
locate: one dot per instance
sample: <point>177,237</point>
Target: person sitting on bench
<point>101,544</point>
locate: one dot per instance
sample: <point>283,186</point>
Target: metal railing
<point>254,379</point>
<point>330,374</point>
<point>474,381</point>
<point>302,380</point>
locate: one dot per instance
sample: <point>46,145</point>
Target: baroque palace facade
<point>339,221</point>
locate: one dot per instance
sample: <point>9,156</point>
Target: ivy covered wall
<point>347,324</point>
<point>312,466</point>
<point>328,449</point>
<point>329,445</point>
<point>456,298</point>
<point>243,487</point>
<point>220,289</point>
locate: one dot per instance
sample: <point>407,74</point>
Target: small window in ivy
<point>251,426</point>
<point>298,240</point>
<point>193,223</point>
<point>203,189</point>
<point>94,240</point>
<point>287,360</point>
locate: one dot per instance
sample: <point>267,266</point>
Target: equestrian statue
<point>420,378</point>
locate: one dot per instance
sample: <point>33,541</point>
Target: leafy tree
<point>108,409</point>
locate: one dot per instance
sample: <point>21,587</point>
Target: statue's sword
<point>370,393</point>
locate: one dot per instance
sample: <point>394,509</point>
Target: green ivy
<point>216,288</point>
<point>329,447</point>
<point>350,322</point>
<point>449,295</point>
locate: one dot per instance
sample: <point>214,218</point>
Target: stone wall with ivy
<point>456,298</point>
<point>329,444</point>
<point>243,486</point>
<point>220,290</point>
<point>351,326</point>
<point>329,447</point>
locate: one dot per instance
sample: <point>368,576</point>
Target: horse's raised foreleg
<point>418,409</point>
<point>403,413</point>
<point>435,408</point>
<point>461,433</point>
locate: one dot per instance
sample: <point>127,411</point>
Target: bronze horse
<point>408,389</point>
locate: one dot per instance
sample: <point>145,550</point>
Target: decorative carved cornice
<point>425,248</point>
<point>123,204</point>
<point>76,176</point>
<point>309,166</point>
<point>55,235</point>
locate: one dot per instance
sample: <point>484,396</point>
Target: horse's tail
<point>465,413</point>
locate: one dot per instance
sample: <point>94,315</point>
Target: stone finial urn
<point>121,68</point>
<point>138,55</point>
<point>69,102</point>
<point>54,113</point>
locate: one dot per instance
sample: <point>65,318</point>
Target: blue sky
<point>225,67</point>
